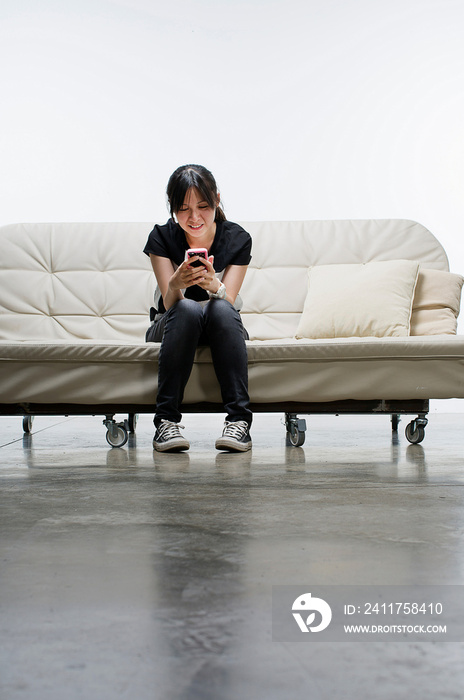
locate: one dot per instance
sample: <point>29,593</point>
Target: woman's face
<point>195,216</point>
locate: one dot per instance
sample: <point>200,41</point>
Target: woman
<point>199,305</point>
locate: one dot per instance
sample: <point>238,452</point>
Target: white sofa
<point>74,308</point>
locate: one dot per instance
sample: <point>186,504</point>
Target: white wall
<point>303,109</point>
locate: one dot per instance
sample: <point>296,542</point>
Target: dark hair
<point>201,179</point>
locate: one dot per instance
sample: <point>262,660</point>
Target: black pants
<point>180,330</point>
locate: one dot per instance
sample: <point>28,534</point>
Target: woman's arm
<point>171,281</point>
<point>164,270</point>
<point>233,279</point>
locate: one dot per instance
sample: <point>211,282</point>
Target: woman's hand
<point>188,275</point>
<point>210,282</point>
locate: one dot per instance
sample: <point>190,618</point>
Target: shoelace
<point>169,430</point>
<point>236,429</point>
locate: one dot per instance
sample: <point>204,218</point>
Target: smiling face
<point>196,217</point>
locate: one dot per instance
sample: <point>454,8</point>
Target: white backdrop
<point>303,109</point>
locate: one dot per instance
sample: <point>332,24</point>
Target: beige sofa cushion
<point>359,300</point>
<point>333,369</point>
<point>436,303</point>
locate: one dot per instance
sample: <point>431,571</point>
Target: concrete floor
<point>128,574</point>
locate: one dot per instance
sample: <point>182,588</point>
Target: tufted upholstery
<point>92,281</point>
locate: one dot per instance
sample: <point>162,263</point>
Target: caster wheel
<point>414,433</point>
<point>117,439</point>
<point>27,424</point>
<point>295,437</point>
<point>296,428</point>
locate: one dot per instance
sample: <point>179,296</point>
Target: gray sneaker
<point>235,437</point>
<point>168,437</point>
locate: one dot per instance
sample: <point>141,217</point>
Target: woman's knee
<point>184,319</point>
<point>185,310</point>
<point>218,309</point>
<point>221,315</point>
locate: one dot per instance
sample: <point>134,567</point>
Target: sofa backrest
<point>276,283</point>
<point>74,281</point>
<point>92,281</point>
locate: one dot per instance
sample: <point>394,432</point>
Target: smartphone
<point>202,252</point>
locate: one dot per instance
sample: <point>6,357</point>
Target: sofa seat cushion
<point>284,349</point>
<point>420,367</point>
<point>85,351</point>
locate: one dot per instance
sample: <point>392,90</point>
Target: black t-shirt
<point>231,246</point>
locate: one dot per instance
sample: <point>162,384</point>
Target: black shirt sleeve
<point>167,241</point>
<point>242,255</point>
<point>231,246</point>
